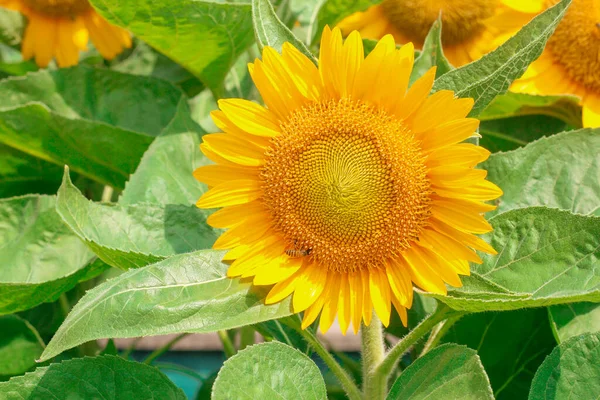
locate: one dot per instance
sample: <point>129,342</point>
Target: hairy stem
<point>373,351</point>
<point>228,347</point>
<point>438,332</point>
<point>347,383</point>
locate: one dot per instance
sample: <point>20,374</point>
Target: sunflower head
<point>348,186</point>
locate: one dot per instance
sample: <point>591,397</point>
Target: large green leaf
<point>572,371</point>
<point>491,75</point>
<point>204,37</point>
<point>333,11</point>
<point>511,345</point>
<point>20,345</point>
<point>106,377</point>
<point>269,370</point>
<point>41,258</point>
<point>131,236</point>
<point>546,256</point>
<point>98,121</point>
<point>560,171</point>
<point>185,293</point>
<point>569,320</point>
<point>270,31</point>
<point>565,108</point>
<point>514,132</point>
<point>447,372</point>
<point>164,175</point>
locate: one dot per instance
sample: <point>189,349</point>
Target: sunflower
<point>348,187</point>
<point>60,29</point>
<point>470,28</point>
<point>570,63</point>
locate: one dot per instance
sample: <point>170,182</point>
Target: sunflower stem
<point>373,352</point>
<point>382,372</point>
<point>159,352</point>
<point>347,383</point>
<point>228,347</point>
<point>438,332</point>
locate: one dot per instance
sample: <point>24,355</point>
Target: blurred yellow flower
<point>60,29</point>
<point>570,63</point>
<point>348,187</point>
<point>470,28</point>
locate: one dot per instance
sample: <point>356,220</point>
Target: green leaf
<point>146,61</point>
<point>491,75</point>
<point>447,372</point>
<point>106,377</point>
<point>565,107</point>
<point>269,370</point>
<point>512,133</point>
<point>99,122</point>
<point>511,345</point>
<point>432,54</point>
<point>333,11</point>
<point>560,171</point>
<point>164,175</point>
<point>20,345</point>
<point>21,174</point>
<point>569,320</point>
<point>204,37</point>
<point>285,330</point>
<point>546,257</point>
<point>184,293</point>
<point>572,371</point>
<point>11,27</point>
<point>270,31</point>
<point>41,257</point>
<point>136,235</point>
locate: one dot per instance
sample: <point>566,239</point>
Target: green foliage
<point>270,31</point>
<point>571,371</point>
<point>432,54</point>
<point>42,258</point>
<point>134,235</point>
<point>448,372</point>
<point>570,320</point>
<point>129,129</point>
<point>204,37</point>
<point>185,293</point>
<point>257,372</point>
<point>20,345</point>
<point>333,11</point>
<point>491,75</point>
<point>105,377</point>
<point>526,339</point>
<point>545,257</point>
<point>560,171</point>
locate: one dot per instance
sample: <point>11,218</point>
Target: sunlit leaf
<point>447,372</point>
<point>546,257</point>
<point>185,293</point>
<point>105,377</point>
<point>267,371</point>
<point>204,37</point>
<point>492,74</point>
<point>572,371</point>
<point>41,257</point>
<point>560,171</point>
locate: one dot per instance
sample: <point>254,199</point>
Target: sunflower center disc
<point>347,182</point>
<point>575,43</point>
<point>461,19</point>
<point>58,8</point>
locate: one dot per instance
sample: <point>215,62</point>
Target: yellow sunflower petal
<point>420,274</point>
<point>439,108</point>
<point>344,307</point>
<point>234,149</point>
<point>463,154</point>
<point>416,95</point>
<point>231,193</point>
<point>463,237</point>
<point>446,246</point>
<point>250,117</point>
<point>330,304</point>
<point>449,133</point>
<point>461,215</point>
<point>400,282</point>
<point>233,215</point>
<point>591,111</point>
<point>245,232</point>
<point>309,286</point>
<point>379,288</point>
<point>356,299</point>
<point>214,175</point>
